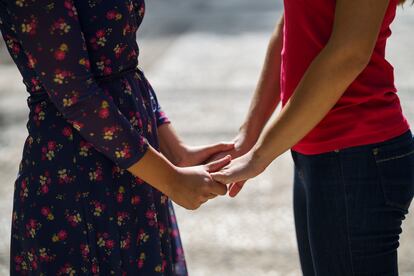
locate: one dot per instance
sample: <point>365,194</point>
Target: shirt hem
<point>339,144</point>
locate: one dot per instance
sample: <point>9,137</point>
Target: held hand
<point>196,155</point>
<point>242,145</point>
<point>238,172</point>
<point>195,185</point>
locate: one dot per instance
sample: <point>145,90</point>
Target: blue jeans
<point>349,206</point>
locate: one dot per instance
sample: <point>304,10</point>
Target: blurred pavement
<point>203,59</point>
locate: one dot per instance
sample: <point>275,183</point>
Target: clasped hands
<point>225,167</point>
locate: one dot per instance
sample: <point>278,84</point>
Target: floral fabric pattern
<point>92,114</point>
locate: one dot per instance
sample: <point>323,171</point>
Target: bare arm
<point>355,31</point>
<point>265,99</point>
<point>267,94</point>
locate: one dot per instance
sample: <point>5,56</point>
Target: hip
<point>386,166</point>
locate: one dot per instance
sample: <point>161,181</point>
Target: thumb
<point>218,164</point>
<point>220,177</point>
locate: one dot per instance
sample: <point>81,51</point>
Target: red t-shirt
<point>369,111</point>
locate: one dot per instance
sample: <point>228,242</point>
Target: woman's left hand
<point>197,155</point>
<point>239,171</point>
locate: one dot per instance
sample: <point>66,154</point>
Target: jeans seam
<point>395,157</point>
<point>346,211</point>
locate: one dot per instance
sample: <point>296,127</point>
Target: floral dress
<point>92,114</point>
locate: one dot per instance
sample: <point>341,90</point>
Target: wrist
<point>247,137</point>
<point>174,179</point>
<point>261,158</point>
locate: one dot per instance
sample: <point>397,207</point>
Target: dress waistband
<point>41,95</point>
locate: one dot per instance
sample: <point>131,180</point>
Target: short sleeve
<point>50,35</point>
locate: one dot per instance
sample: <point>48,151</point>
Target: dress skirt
<point>75,212</point>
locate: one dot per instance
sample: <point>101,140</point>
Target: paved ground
<point>203,58</point>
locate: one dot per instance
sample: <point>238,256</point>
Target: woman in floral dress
<point>92,192</point>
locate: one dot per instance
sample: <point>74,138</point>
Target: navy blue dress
<point>92,114</point>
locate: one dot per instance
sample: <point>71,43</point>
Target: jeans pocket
<point>395,166</point>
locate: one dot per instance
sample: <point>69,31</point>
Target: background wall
<point>203,58</point>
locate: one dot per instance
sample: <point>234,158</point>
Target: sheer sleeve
<point>51,36</point>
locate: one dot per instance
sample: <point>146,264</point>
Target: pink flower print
<point>60,53</point>
<point>45,181</point>
<point>95,268</point>
<point>135,119</point>
<point>31,61</point>
<point>120,194</point>
<point>109,244</point>
<point>31,228</point>
<point>46,212</point>
<point>44,255</point>
<point>85,63</point>
<point>104,110</point>
<point>141,11</point>
<point>124,153</point>
<point>100,33</point>
<point>71,8</point>
<point>98,208</point>
<point>61,76</point>
<point>60,236</point>
<point>24,190</point>
<point>35,87</point>
<point>107,71</point>
<point>51,145</point>
<point>125,243</point>
<point>113,15</point>
<point>142,237</point>
<point>61,26</point>
<point>121,217</point>
<point>48,152</point>
<point>77,125</point>
<point>141,260</point>
<point>104,65</point>
<point>99,39</point>
<point>67,132</point>
<point>109,133</point>
<point>151,216</point>
<point>118,50</point>
<point>96,175</point>
<point>127,29</point>
<point>84,148</point>
<point>85,251</point>
<point>30,27</point>
<point>64,177</point>
<point>74,219</point>
<point>67,269</point>
<point>18,259</point>
<point>13,45</point>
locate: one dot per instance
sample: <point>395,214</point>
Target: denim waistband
<point>401,140</point>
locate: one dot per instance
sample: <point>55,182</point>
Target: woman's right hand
<point>194,186</point>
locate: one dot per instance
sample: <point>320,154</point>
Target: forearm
<point>156,170</point>
<point>312,100</point>
<point>267,93</point>
<point>171,145</point>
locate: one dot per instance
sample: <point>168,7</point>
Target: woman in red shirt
<point>352,146</point>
